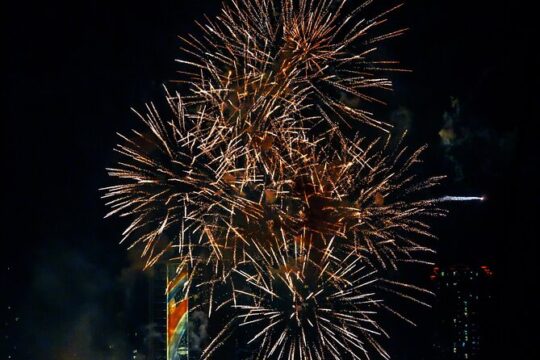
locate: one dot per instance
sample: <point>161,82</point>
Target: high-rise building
<point>169,314</point>
<point>463,309</point>
<point>177,313</point>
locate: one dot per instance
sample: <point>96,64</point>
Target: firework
<point>462,198</point>
<point>265,64</point>
<point>295,317</point>
<point>256,179</point>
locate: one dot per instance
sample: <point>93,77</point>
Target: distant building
<point>463,310</point>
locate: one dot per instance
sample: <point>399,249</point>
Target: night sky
<point>73,70</point>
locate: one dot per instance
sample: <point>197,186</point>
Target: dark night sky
<point>74,68</point>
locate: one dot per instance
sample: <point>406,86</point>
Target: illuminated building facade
<point>177,313</point>
<point>463,307</point>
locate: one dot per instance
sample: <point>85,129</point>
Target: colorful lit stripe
<point>177,317</point>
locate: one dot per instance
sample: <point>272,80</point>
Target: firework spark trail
<point>258,180</point>
<point>461,198</point>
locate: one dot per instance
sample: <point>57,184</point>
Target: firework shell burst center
<point>256,176</point>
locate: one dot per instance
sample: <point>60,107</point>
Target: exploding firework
<point>320,316</point>
<point>259,183</point>
<point>264,65</point>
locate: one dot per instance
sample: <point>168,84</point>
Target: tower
<point>464,302</point>
<point>177,313</point>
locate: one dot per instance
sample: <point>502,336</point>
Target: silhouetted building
<point>463,311</point>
